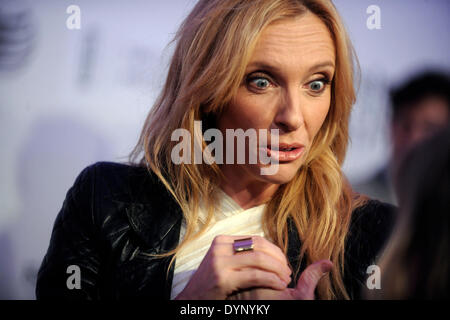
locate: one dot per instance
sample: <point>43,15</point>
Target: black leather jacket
<point>116,216</point>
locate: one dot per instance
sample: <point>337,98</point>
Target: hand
<point>223,272</point>
<point>304,290</point>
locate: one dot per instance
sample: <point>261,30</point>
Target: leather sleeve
<point>73,243</point>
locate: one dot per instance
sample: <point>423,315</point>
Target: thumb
<point>309,279</point>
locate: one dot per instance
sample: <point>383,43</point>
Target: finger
<point>253,277</point>
<point>253,258</point>
<point>261,294</point>
<point>309,279</point>
<point>260,260</point>
<point>259,244</point>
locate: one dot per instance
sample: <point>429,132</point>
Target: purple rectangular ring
<point>241,245</point>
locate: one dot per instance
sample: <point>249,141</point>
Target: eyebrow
<point>313,68</point>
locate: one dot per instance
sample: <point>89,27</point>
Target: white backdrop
<point>69,98</point>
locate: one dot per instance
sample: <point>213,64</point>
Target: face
<point>287,86</point>
<point>417,123</point>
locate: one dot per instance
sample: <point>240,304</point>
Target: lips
<point>285,152</point>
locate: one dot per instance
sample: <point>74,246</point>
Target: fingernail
<point>325,268</point>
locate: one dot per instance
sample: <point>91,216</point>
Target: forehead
<point>295,43</point>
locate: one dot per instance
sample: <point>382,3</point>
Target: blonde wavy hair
<point>213,47</point>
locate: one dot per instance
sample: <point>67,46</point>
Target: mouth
<point>285,152</point>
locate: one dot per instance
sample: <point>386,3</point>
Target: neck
<point>246,191</point>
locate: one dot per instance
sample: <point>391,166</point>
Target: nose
<point>289,115</point>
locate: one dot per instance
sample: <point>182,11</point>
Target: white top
<point>229,219</point>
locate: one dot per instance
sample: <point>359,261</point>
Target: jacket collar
<point>153,225</point>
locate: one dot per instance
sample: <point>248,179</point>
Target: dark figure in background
<point>420,108</point>
<point>415,263</point>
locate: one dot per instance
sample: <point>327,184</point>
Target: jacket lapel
<point>152,225</point>
<point>150,208</point>
<point>155,218</point>
<point>293,252</point>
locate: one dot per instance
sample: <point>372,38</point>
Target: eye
<point>261,83</point>
<point>258,82</point>
<point>318,85</point>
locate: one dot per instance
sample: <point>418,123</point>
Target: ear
<point>310,277</point>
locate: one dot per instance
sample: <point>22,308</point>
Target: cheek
<point>316,115</point>
<point>246,111</point>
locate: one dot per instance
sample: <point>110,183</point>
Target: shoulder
<point>111,191</point>
<point>373,211</point>
<point>118,181</point>
<point>373,220</point>
<point>109,199</point>
<point>113,173</point>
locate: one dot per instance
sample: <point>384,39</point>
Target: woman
<point>171,229</point>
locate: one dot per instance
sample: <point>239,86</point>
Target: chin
<point>285,173</point>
